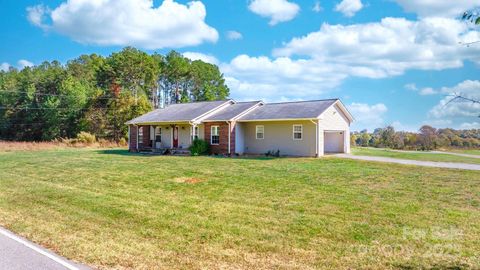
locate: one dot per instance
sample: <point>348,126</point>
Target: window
<point>215,136</point>
<point>195,133</point>
<point>140,134</point>
<point>297,132</point>
<point>260,130</point>
<point>158,134</point>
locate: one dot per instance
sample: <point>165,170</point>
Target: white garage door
<point>334,141</point>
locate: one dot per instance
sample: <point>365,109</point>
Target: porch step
<point>180,152</point>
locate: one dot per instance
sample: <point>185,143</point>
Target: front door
<point>175,137</point>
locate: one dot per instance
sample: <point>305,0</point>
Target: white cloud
<point>349,7</point>
<point>367,116</point>
<point>438,8</point>
<point>127,22</point>
<point>427,91</point>
<point>4,66</point>
<point>277,10</point>
<point>310,66</point>
<point>411,87</point>
<point>458,110</point>
<point>272,79</point>
<point>388,47</point>
<point>473,125</point>
<point>201,56</point>
<point>234,35</point>
<point>37,15</point>
<point>317,7</point>
<point>424,91</point>
<point>401,127</point>
<point>438,123</point>
<point>21,64</point>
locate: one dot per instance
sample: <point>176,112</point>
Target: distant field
<point>115,210</point>
<point>465,151</point>
<point>424,156</point>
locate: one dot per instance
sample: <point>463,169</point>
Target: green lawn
<point>425,156</point>
<point>115,210</point>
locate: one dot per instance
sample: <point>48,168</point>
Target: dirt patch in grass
<point>188,180</point>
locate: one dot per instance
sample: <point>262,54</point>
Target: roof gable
<point>232,111</point>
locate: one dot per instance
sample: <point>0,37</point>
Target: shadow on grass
<point>124,152</point>
<point>120,152</point>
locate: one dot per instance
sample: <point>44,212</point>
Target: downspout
<point>229,132</point>
<point>316,137</point>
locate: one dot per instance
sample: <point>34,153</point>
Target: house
<point>304,128</point>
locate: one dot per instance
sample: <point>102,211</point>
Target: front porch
<point>163,137</point>
<point>164,151</point>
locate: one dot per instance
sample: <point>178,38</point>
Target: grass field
<point>115,210</point>
<point>424,156</point>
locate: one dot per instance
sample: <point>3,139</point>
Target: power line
<point>45,108</point>
<point>53,95</point>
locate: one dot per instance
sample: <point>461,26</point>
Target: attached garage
<point>334,141</point>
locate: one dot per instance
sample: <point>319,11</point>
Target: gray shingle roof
<point>231,111</point>
<point>182,112</point>
<point>289,110</point>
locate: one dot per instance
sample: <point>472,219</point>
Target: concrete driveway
<point>450,165</point>
<point>17,253</point>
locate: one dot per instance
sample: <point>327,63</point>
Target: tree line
<point>427,138</point>
<point>99,94</point>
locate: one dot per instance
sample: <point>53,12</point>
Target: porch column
<point>154,140</point>
<point>192,130</point>
<point>320,139</point>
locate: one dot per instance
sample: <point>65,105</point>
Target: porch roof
<point>182,112</point>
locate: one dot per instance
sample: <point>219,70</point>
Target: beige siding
<point>183,136</point>
<point>166,136</point>
<point>334,119</point>
<point>279,135</point>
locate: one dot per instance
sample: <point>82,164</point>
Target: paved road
<point>450,165</point>
<point>17,253</point>
<point>424,152</point>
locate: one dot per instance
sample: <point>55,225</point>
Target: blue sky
<point>390,61</point>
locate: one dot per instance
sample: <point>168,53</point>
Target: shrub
<point>122,142</point>
<point>199,147</point>
<point>273,153</point>
<point>85,137</point>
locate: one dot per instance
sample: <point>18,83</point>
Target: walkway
<point>17,253</point>
<point>450,165</point>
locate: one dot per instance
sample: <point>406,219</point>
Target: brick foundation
<point>132,142</point>
<point>146,137</point>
